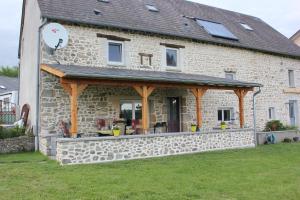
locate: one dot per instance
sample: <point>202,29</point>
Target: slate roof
<point>83,72</point>
<point>133,15</point>
<point>10,84</point>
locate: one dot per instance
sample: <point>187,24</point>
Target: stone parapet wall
<point>108,149</point>
<point>18,144</point>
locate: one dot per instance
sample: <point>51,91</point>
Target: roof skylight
<point>152,8</point>
<point>246,26</point>
<point>216,29</point>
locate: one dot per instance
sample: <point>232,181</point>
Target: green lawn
<point>268,172</point>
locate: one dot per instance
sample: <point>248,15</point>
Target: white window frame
<point>174,68</point>
<point>122,63</point>
<point>230,73</point>
<point>291,78</point>
<point>271,113</point>
<point>231,109</point>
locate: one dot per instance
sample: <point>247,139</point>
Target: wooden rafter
<point>51,70</point>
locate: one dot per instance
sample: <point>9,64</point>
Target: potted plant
<point>116,131</point>
<point>193,128</point>
<point>223,125</point>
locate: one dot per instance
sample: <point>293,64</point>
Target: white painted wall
<point>28,58</point>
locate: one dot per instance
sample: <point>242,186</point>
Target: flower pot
<point>193,129</point>
<point>116,133</point>
<point>223,126</point>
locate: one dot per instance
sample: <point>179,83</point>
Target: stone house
<point>172,63</point>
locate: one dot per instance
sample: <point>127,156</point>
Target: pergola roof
<point>117,74</point>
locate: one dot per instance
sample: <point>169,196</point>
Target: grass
<point>268,172</point>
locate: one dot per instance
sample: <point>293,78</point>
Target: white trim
<point>178,62</point>
<point>122,63</point>
<point>231,109</point>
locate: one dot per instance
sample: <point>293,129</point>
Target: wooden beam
<point>81,88</point>
<point>52,70</point>
<point>112,37</point>
<point>67,88</point>
<point>241,93</point>
<point>145,109</point>
<point>150,90</point>
<point>125,83</point>
<point>74,109</point>
<point>199,93</point>
<point>176,46</point>
<point>138,89</point>
<point>144,91</point>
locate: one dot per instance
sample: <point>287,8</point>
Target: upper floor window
<point>230,75</point>
<point>116,53</point>
<point>271,113</point>
<point>172,57</point>
<point>291,78</point>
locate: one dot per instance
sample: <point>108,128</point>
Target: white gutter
<point>254,114</point>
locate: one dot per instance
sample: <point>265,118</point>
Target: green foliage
<point>11,132</point>
<point>223,123</point>
<point>276,125</point>
<point>9,71</point>
<point>287,140</point>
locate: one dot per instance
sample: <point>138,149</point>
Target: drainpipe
<point>38,85</point>
<point>254,113</point>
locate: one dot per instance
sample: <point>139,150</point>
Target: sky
<point>283,15</point>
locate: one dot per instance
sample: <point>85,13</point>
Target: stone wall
<point>15,145</point>
<point>86,49</point>
<point>100,150</point>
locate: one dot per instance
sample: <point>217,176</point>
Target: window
<point>230,75</point>
<point>271,113</point>
<point>216,29</point>
<point>152,8</point>
<point>246,26</point>
<point>131,110</point>
<point>291,78</point>
<point>172,57</point>
<point>115,53</point>
<point>225,114</point>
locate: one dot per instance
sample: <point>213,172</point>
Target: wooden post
<point>74,90</point>
<point>144,91</point>
<point>199,93</point>
<point>241,93</point>
<point>74,111</point>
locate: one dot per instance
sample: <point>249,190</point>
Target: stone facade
<point>15,145</point>
<point>86,49</point>
<point>100,150</point>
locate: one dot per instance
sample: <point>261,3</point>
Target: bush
<point>287,140</point>
<point>11,132</point>
<point>276,125</point>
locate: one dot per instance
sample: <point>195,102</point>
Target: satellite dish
<point>55,36</point>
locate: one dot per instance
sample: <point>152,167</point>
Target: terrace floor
<point>267,172</point>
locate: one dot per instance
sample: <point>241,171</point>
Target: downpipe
<point>254,114</point>
<point>44,22</point>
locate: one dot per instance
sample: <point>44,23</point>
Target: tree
<point>9,71</point>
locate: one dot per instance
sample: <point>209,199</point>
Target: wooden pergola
<point>75,86</point>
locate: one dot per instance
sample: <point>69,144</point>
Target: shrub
<point>287,140</point>
<point>276,125</point>
<point>11,132</point>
